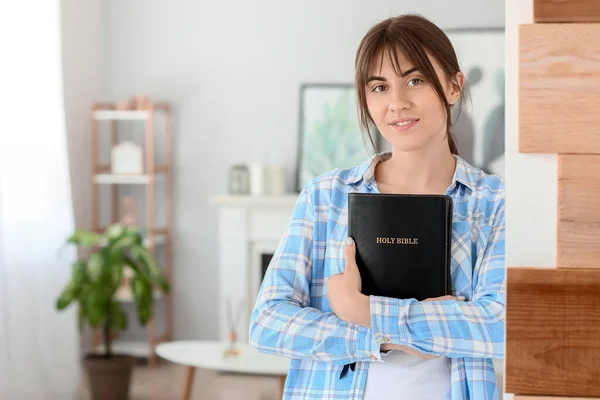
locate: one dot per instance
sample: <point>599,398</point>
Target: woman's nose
<point>399,101</point>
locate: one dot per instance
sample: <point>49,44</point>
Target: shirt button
<point>373,358</point>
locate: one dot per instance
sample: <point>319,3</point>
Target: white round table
<point>209,354</point>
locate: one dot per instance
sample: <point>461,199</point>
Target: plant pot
<point>109,378</point>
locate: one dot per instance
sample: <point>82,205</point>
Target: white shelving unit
<point>139,109</point>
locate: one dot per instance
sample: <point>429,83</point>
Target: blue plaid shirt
<point>292,317</point>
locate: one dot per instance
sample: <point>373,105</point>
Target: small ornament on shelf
<point>239,180</point>
<point>128,211</point>
<point>232,351</point>
<point>126,158</point>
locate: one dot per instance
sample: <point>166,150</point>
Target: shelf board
<point>121,115</point>
<point>248,200</point>
<point>116,179</point>
<point>158,239</point>
<point>158,169</point>
<point>156,231</point>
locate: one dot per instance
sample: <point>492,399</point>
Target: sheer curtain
<point>39,348</point>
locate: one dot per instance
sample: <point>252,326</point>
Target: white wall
<point>531,179</point>
<point>81,77</point>
<point>232,70</point>
<point>80,26</point>
<point>531,182</point>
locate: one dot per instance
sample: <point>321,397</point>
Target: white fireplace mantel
<point>248,227</point>
<point>254,201</point>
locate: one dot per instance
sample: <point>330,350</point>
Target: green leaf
<point>140,270</point>
<point>67,296</point>
<point>123,242</point>
<point>85,238</point>
<point>117,276</point>
<point>164,285</point>
<point>114,231</point>
<point>82,316</point>
<point>94,266</point>
<point>148,267</point>
<point>79,272</point>
<point>118,317</point>
<point>138,286</point>
<point>73,288</point>
<point>134,232</point>
<point>148,259</point>
<point>96,306</point>
<point>142,291</point>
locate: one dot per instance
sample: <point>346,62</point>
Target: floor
<point>165,382</point>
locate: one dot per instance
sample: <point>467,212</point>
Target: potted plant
<point>93,286</point>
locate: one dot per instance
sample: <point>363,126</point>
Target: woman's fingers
<point>350,254</point>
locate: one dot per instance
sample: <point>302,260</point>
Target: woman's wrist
<point>360,310</point>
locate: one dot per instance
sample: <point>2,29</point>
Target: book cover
<point>402,243</point>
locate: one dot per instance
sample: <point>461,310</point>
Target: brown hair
<point>414,36</point>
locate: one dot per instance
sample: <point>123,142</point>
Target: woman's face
<point>405,108</point>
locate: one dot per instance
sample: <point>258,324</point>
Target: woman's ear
<point>456,86</point>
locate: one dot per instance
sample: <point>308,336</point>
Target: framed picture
<point>479,130</point>
<point>330,135</point>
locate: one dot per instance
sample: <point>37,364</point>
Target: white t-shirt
<point>402,376</point>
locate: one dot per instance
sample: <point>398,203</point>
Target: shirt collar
<point>464,173</point>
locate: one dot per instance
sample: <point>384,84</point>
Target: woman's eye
<point>378,88</point>
<point>415,82</point>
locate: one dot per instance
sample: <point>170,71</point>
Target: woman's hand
<point>344,291</point>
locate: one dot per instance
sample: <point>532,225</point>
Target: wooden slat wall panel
<point>566,11</point>
<point>553,398</point>
<point>559,89</point>
<point>578,233</point>
<point>553,332</point>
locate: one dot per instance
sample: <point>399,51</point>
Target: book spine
<point>449,213</point>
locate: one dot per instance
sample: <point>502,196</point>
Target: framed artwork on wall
<point>330,136</point>
<point>479,129</point>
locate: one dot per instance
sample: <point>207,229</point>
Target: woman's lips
<point>405,125</point>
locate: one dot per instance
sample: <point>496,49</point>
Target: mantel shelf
<point>251,201</point>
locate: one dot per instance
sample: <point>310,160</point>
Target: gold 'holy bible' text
<point>392,240</point>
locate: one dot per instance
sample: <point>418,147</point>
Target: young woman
<point>310,307</point>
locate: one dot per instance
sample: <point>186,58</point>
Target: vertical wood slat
<point>553,332</point>
<point>566,11</point>
<point>553,398</point>
<point>578,224</point>
<point>559,89</point>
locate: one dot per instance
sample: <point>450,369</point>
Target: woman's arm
<point>282,323</point>
<point>449,327</point>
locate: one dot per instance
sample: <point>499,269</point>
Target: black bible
<point>402,243</point>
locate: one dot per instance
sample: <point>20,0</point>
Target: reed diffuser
<point>232,350</point>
